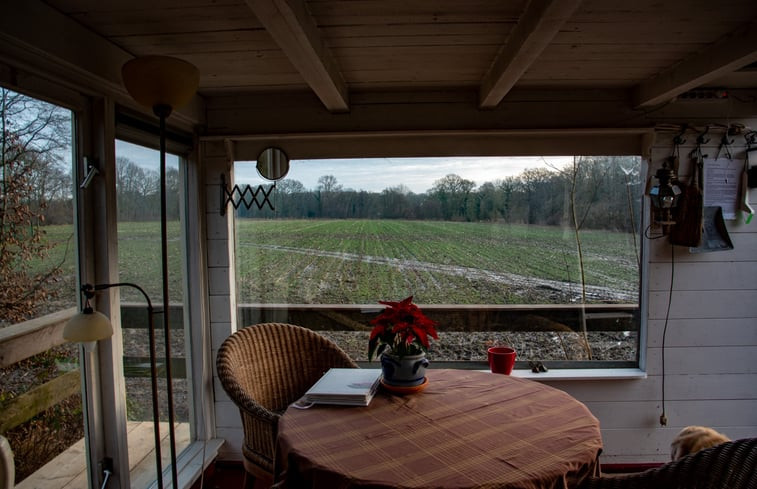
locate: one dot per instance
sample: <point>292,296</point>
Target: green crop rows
<point>362,261</point>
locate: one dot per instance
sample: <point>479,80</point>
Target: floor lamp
<point>90,326</point>
<point>163,84</point>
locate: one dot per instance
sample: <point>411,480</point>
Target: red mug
<point>501,359</point>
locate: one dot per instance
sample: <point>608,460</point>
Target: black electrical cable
<point>663,418</point>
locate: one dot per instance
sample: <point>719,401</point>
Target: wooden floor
<point>222,476</point>
<point>229,475</point>
<point>68,470</point>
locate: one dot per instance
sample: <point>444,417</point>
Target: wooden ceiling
<point>655,49</point>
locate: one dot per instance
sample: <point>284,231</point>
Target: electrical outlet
<point>704,95</point>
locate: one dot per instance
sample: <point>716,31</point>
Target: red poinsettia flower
<point>403,328</point>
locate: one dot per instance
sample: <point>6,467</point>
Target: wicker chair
<point>7,468</point>
<point>264,368</point>
<point>731,465</point>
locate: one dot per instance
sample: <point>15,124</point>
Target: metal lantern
<point>665,194</point>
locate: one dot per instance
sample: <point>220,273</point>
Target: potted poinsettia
<point>400,336</point>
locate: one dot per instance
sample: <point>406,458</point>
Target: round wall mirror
<point>273,164</point>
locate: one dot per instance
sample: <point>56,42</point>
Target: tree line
<point>605,192</point>
<point>33,191</point>
<point>36,188</point>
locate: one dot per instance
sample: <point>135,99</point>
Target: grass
<point>362,261</point>
<point>138,257</point>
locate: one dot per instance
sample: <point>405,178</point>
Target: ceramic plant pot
<point>407,371</point>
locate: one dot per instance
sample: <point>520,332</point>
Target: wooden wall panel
<point>686,387</point>
<point>405,111</point>
<point>704,360</point>
<point>698,332</point>
<point>730,275</point>
<point>744,244</point>
<point>710,344</point>
<point>710,304</point>
<point>651,445</point>
<point>646,414</point>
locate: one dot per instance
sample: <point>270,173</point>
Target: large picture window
<point>139,260</point>
<point>541,253</point>
<point>39,373</point>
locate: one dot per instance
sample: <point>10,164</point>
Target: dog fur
<point>694,438</point>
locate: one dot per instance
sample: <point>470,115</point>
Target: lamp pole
<point>89,292</point>
<point>163,111</point>
<point>163,83</point>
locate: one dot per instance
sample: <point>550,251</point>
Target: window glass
<point>139,262</point>
<point>37,279</point>
<point>541,254</point>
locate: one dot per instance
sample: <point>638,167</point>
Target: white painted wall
<point>710,344</point>
<point>221,291</point>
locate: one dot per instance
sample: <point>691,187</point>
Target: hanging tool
<point>688,214</point>
<point>725,144</point>
<point>744,200</point>
<point>751,144</point>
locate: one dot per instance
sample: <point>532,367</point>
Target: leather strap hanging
<point>688,215</point>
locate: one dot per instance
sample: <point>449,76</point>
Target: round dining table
<point>466,429</point>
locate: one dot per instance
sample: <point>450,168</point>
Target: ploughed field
<point>320,261</point>
<point>364,261</point>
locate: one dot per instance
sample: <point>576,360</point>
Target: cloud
<point>144,157</point>
<point>418,174</point>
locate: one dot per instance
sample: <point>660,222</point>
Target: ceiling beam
<point>538,25</point>
<point>86,62</point>
<point>734,51</point>
<point>296,33</point>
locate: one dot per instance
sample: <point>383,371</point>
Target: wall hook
<point>751,139</point>
<point>678,139</point>
<point>725,144</point>
<point>701,137</point>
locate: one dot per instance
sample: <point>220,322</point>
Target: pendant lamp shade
<point>160,81</point>
<point>88,326</point>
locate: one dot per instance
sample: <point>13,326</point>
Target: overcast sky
<point>418,174</point>
<point>371,174</point>
<point>144,157</point>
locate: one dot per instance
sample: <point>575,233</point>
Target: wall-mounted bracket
<point>92,170</point>
<point>245,195</point>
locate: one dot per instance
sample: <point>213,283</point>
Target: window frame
<point>135,128</point>
<point>607,142</point>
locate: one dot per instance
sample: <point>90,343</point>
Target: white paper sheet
<point>722,180</point>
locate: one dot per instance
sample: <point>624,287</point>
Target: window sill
<point>581,374</point>
<point>191,463</point>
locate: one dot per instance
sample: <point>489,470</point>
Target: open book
<point>349,386</point>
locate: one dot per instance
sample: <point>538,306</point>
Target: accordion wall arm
<point>246,195</point>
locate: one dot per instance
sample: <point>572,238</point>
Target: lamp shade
<point>160,81</point>
<point>88,326</point>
